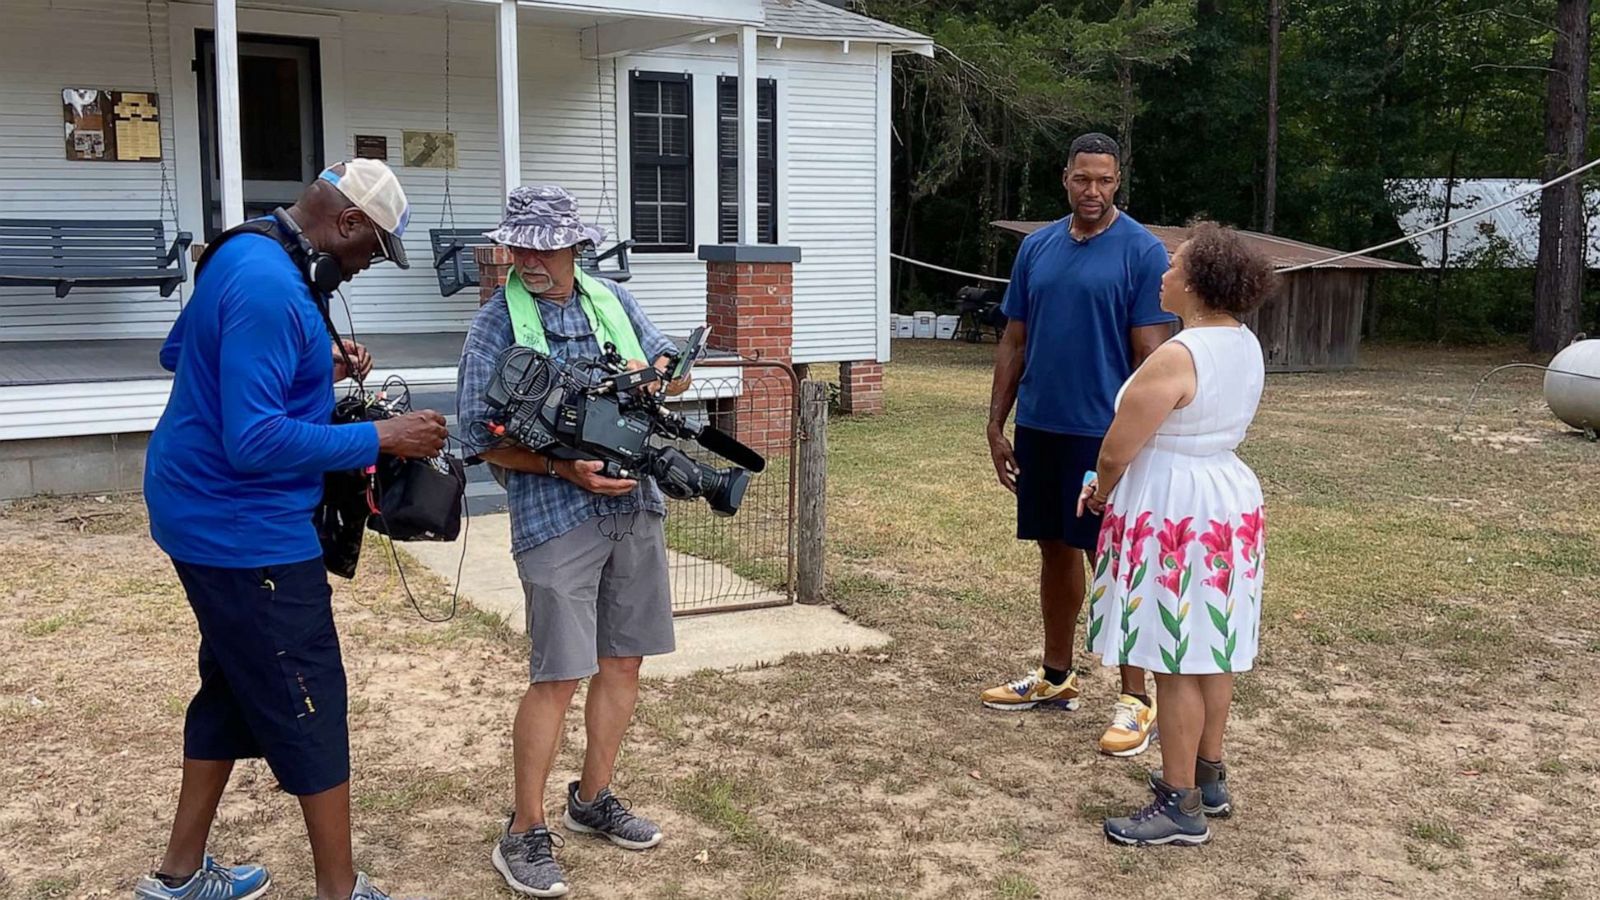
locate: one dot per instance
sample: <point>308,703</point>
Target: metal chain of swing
<point>600,106</point>
<point>167,201</point>
<point>447,205</point>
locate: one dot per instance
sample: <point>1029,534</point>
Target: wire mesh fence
<point>721,563</point>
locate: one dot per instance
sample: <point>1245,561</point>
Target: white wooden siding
<point>47,45</point>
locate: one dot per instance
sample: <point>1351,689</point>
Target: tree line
<point>1285,116</point>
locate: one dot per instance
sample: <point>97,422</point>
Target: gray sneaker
<point>1216,800</point>
<point>1173,817</point>
<point>527,861</point>
<point>366,890</point>
<point>609,816</point>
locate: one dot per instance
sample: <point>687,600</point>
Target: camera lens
<point>724,488</point>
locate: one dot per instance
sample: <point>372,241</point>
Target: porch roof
<point>816,20</point>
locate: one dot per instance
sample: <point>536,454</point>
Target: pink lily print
<point>1219,560</point>
<point>1252,536</point>
<point>1137,565</point>
<point>1174,540</point>
<point>1108,551</point>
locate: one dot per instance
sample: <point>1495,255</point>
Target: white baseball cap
<point>373,188</point>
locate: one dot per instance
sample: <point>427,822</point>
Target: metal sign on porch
<point>429,149</point>
<point>111,126</point>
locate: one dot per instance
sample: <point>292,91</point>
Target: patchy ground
<point>1421,722</point>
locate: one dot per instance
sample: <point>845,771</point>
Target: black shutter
<point>728,160</point>
<point>662,153</point>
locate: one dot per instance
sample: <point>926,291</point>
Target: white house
<point>640,107</point>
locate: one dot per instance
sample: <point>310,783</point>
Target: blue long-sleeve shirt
<point>234,468</point>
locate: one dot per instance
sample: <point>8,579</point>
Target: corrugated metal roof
<point>814,19</point>
<point>1282,251</point>
<point>1515,227</point>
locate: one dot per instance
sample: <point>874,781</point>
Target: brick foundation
<point>861,387</point>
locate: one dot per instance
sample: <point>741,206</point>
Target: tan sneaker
<point>1132,726</point>
<point>1034,690</point>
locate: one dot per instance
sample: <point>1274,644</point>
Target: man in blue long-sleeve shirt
<point>233,475</point>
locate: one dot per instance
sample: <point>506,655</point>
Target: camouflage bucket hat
<point>543,217</point>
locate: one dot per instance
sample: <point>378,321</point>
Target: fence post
<point>812,517</point>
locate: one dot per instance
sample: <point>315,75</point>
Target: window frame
<point>637,159</point>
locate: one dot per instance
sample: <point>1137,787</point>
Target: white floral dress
<point>1179,566</point>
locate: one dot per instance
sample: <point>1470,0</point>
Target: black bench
<point>457,265</point>
<point>68,253</point>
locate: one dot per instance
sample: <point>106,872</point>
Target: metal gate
<point>746,561</point>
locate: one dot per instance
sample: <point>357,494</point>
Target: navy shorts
<point>1051,478</point>
<point>272,681</point>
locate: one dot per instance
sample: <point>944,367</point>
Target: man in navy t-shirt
<point>233,474</point>
<point>1084,309</point>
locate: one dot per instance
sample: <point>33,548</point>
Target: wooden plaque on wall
<point>111,126</point>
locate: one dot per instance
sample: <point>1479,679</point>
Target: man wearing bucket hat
<point>233,473</point>
<point>591,551</point>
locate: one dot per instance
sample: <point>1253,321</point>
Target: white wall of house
<point>390,77</point>
<point>47,45</point>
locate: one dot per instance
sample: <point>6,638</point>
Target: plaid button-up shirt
<point>543,507</point>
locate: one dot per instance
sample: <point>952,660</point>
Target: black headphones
<point>322,271</point>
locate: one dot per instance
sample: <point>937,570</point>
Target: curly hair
<point>1229,276</point>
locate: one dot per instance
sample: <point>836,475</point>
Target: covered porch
<point>465,98</point>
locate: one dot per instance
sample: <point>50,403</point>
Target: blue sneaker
<point>1216,801</point>
<point>213,881</point>
<point>1173,817</point>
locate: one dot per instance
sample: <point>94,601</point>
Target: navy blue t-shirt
<point>234,468</point>
<point>1079,300</point>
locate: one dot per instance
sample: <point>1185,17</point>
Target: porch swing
<point>454,249</point>
<point>98,252</point>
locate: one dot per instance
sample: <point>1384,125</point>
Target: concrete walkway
<point>731,640</point>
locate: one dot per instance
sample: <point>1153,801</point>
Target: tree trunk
<point>1558,276</point>
<point>1435,328</point>
<point>1125,80</point>
<point>1269,217</point>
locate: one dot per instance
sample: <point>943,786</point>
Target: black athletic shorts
<point>1049,484</point>
<point>272,681</point>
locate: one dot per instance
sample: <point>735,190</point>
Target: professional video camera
<point>559,408</point>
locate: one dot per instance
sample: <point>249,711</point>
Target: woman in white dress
<point>1178,572</point>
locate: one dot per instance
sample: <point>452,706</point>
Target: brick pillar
<point>750,309</point>
<point>494,267</point>
<point>861,387</point>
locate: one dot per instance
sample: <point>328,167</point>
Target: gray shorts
<point>588,596</point>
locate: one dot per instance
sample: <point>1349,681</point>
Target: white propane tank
<point>1575,400</point>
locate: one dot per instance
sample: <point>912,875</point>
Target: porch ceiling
<point>575,13</point>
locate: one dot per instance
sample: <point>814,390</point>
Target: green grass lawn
<point>1421,722</point>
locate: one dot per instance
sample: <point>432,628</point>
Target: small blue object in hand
<point>1089,477</point>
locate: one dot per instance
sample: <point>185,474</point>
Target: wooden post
<point>231,169</point>
<point>811,527</point>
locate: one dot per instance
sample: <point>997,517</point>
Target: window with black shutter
<point>728,160</point>
<point>662,151</point>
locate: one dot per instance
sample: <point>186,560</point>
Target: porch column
<point>747,134</point>
<point>230,168</point>
<point>510,102</point>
